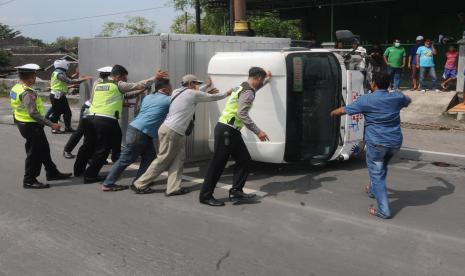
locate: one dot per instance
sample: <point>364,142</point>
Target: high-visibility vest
<point>229,115</point>
<point>107,100</point>
<point>19,110</point>
<point>56,84</point>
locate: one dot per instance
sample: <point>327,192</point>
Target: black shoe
<point>35,185</point>
<point>181,191</point>
<point>58,176</point>
<point>98,178</point>
<point>139,191</point>
<point>235,195</point>
<point>69,129</point>
<point>212,202</point>
<point>57,131</point>
<point>68,155</point>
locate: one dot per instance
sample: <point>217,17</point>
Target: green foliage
<point>62,42</point>
<point>270,25</point>
<point>215,22</point>
<point>4,57</point>
<point>7,32</point>
<point>134,25</point>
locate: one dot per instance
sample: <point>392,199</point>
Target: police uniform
<point>105,110</point>
<point>28,113</point>
<point>59,89</point>
<point>60,105</point>
<point>87,148</point>
<point>228,142</point>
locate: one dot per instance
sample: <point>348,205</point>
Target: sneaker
<point>57,131</point>
<point>423,91</point>
<point>68,155</point>
<point>70,129</point>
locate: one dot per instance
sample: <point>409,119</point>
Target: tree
<point>6,32</point>
<point>270,25</point>
<point>4,58</point>
<point>134,25</point>
<point>215,21</point>
<point>69,44</point>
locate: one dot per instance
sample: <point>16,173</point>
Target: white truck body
<point>293,109</point>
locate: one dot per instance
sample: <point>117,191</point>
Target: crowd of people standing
<point>420,60</point>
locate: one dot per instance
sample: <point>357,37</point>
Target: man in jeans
<point>172,135</point>
<point>425,62</point>
<point>383,135</point>
<point>142,133</point>
<point>394,57</point>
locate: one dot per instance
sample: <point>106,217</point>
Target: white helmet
<point>106,69</point>
<point>61,63</point>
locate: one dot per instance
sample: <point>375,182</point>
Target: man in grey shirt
<point>172,136</point>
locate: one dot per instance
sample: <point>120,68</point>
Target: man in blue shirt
<point>425,61</point>
<point>383,135</point>
<point>142,133</point>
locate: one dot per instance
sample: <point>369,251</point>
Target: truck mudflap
<point>351,142</point>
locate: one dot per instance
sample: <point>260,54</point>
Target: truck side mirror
<point>345,36</point>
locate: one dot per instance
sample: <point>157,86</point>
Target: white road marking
<point>433,152</point>
<point>200,181</point>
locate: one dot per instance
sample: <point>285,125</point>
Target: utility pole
<point>231,17</point>
<point>241,25</point>
<point>198,12</point>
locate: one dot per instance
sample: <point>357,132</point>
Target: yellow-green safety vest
<point>229,115</point>
<point>107,100</point>
<point>20,112</point>
<point>56,84</point>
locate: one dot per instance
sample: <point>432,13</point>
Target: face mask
<point>397,44</point>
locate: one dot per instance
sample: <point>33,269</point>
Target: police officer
<point>59,86</point>
<point>229,142</point>
<point>28,113</point>
<point>105,110</point>
<point>74,139</point>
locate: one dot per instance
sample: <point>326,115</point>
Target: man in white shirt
<point>172,135</point>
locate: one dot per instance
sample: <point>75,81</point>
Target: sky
<point>20,12</point>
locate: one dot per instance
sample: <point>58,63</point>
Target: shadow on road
<point>428,196</point>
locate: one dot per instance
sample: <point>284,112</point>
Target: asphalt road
<point>309,222</point>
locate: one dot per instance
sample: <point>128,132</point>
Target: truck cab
<point>293,109</point>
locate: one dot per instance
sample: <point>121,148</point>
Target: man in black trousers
<point>104,112</point>
<point>28,114</point>
<point>229,142</point>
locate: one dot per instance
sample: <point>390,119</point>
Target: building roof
<point>297,4</point>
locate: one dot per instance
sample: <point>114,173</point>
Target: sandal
<point>114,188</point>
<point>181,191</point>
<point>372,210</point>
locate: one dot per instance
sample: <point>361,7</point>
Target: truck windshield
<point>313,90</point>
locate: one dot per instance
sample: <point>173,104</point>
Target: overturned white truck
<point>293,109</point>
